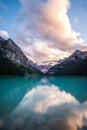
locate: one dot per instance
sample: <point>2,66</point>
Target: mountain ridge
<point>13,61</point>
<point>75,64</point>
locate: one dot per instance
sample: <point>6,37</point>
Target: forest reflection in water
<point>43,103</point>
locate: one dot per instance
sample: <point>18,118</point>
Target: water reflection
<point>77,85</point>
<point>46,104</point>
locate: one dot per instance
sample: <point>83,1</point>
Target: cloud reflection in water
<point>46,107</point>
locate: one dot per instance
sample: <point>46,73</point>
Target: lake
<point>43,103</point>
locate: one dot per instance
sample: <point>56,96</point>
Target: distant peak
<point>77,52</point>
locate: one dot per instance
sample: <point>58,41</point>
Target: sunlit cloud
<point>4,33</point>
<point>45,27</point>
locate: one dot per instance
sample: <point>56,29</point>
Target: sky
<point>45,29</point>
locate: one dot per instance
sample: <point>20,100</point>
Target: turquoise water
<point>43,103</point>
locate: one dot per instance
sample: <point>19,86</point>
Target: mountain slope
<point>76,64</point>
<point>12,59</point>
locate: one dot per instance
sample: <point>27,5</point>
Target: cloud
<point>4,33</point>
<point>47,22</point>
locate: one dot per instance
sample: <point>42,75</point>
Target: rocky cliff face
<point>76,64</point>
<point>12,59</point>
<point>14,62</point>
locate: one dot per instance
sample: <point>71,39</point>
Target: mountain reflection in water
<point>43,103</point>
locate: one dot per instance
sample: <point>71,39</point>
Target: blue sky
<point>9,9</point>
<point>78,10</point>
<point>19,31</point>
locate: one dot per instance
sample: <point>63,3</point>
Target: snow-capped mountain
<point>45,66</point>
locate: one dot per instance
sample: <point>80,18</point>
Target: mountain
<point>46,65</point>
<point>76,64</point>
<point>13,61</point>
